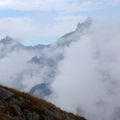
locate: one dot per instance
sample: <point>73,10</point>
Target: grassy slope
<point>40,106</point>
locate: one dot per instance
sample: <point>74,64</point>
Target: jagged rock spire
<point>9,40</point>
<point>86,23</point>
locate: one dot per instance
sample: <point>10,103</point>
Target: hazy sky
<point>44,21</point>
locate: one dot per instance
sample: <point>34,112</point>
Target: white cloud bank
<point>88,81</point>
<point>57,5</point>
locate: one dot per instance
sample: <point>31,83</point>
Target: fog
<point>88,79</point>
<point>81,69</point>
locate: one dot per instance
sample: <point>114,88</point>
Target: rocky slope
<point>15,105</point>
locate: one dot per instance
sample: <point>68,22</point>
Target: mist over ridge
<point>79,72</point>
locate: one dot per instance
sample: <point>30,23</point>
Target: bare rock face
<point>15,105</point>
<point>31,115</point>
<point>5,94</point>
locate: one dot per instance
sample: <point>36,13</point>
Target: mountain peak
<point>86,23</point>
<point>9,40</point>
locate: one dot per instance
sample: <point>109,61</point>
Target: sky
<point>45,21</point>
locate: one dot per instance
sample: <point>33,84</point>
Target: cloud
<point>19,5</point>
<point>23,29</point>
<point>17,27</point>
<point>30,66</point>
<point>55,17</point>
<point>4,2</point>
<point>11,66</point>
<point>57,5</point>
<point>88,79</point>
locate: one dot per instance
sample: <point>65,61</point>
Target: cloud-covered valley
<point>79,72</point>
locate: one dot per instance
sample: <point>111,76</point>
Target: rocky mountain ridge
<point>35,66</point>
